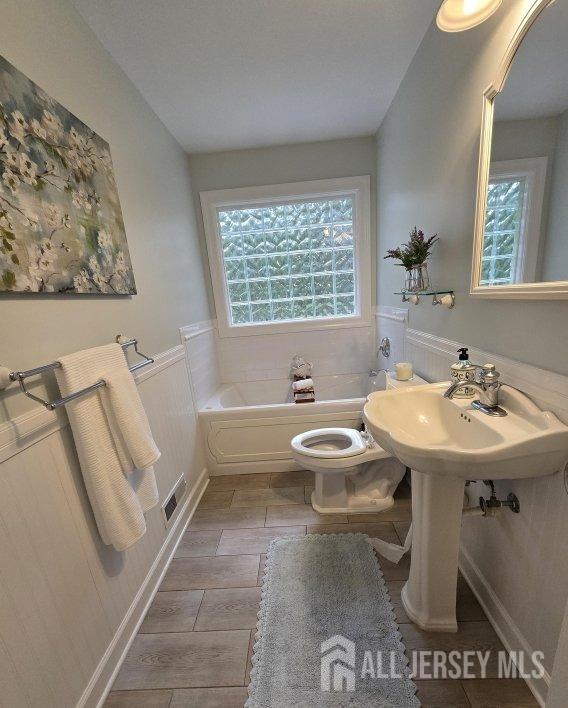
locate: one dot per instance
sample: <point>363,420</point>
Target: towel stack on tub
<point>303,384</point>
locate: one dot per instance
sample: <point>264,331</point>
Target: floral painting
<point>61,226</point>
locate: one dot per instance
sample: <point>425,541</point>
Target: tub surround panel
<point>516,563</point>
<point>201,351</point>
<point>391,323</point>
<point>332,351</point>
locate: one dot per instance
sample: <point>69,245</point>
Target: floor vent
<point>170,506</point>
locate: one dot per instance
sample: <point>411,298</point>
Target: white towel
<point>118,501</point>
<point>303,384</point>
<point>128,421</point>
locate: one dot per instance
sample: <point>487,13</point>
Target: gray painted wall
<point>555,264</point>
<point>427,173</point>
<point>281,164</point>
<point>51,44</point>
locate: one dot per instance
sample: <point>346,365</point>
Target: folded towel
<point>303,384</point>
<point>118,501</point>
<point>128,422</point>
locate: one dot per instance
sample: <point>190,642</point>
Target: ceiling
<point>229,74</point>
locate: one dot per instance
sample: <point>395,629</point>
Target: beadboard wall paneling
<point>66,597</point>
<point>517,563</point>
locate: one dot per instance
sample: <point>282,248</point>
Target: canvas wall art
<point>61,226</point>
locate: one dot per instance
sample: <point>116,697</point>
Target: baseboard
<point>503,624</point>
<point>105,673</point>
<point>227,468</point>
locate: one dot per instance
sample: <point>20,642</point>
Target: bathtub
<point>247,427</point>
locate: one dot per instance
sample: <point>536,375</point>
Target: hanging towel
<point>118,501</point>
<point>128,421</point>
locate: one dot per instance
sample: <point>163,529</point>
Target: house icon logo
<point>338,664</point>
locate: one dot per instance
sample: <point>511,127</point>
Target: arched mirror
<point>521,230</point>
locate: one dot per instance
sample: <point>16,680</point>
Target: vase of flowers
<point>413,256</point>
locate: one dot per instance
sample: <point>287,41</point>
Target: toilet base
<point>355,505</point>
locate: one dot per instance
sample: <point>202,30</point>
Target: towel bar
<point>21,376</point>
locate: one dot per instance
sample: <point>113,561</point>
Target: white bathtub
<point>248,426</point>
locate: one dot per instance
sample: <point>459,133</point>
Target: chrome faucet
<point>488,387</point>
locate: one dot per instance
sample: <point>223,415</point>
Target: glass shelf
<point>425,292</point>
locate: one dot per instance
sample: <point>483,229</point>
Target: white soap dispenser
<point>463,370</point>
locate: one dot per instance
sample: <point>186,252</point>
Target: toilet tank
<point>392,382</point>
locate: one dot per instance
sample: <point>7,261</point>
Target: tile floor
<point>194,646</point>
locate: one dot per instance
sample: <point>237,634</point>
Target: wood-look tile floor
<point>194,647</point>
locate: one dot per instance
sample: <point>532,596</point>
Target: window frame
<point>533,171</point>
<point>246,197</point>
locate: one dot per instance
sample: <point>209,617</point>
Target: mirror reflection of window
<point>513,221</point>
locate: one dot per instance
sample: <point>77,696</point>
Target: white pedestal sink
<point>446,442</point>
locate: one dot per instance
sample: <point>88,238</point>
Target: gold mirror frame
<point>553,290</point>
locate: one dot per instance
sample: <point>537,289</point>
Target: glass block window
<point>503,231</point>
<point>289,261</point>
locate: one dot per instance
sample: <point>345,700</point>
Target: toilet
<point>353,474</point>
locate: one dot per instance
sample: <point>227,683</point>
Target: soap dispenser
<point>463,370</point>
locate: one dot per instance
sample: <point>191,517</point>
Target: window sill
<point>252,330</point>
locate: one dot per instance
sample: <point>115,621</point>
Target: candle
<point>403,371</point>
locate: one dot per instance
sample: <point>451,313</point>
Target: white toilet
<point>352,473</point>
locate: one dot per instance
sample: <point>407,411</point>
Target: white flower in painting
<point>76,139</point>
<point>3,138</point>
<point>12,159</point>
<point>28,169</point>
<point>81,282</point>
<point>66,221</point>
<point>105,240</point>
<point>53,215</point>
<point>25,284</point>
<point>52,124</point>
<point>30,220</point>
<point>18,126</point>
<point>37,129</point>
<point>5,222</point>
<point>11,180</point>
<point>81,200</point>
<point>120,263</point>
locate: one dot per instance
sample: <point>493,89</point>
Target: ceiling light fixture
<point>460,15</point>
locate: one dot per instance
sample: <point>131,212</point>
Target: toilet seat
<point>329,443</point>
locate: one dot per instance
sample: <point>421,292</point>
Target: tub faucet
<point>488,387</point>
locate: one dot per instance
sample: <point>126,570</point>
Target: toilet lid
<point>329,443</point>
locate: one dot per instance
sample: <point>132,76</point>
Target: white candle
<point>403,371</point>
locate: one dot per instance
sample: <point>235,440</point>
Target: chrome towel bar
<point>21,376</point>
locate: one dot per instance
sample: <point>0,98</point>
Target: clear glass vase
<point>417,279</point>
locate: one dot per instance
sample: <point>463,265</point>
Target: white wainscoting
<point>516,564</point>
<point>70,605</point>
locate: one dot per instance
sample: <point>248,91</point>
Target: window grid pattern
<point>503,220</point>
<point>292,261</point>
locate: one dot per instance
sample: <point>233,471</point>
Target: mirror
<point>521,239</point>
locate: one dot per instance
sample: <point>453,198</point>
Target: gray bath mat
<point>326,634</point>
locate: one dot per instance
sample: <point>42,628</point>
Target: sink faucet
<point>488,387</point>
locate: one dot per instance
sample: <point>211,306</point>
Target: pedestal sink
<point>447,442</point>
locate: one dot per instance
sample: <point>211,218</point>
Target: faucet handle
<point>489,374</point>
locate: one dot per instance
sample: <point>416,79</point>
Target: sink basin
<point>436,435</point>
<point>445,442</point>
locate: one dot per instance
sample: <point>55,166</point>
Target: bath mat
<point>326,634</point>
